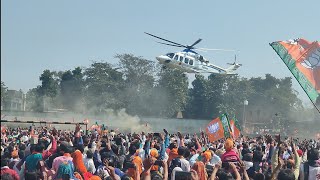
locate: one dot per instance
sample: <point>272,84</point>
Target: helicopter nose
<point>163,59</point>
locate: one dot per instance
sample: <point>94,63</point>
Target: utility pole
<point>245,103</point>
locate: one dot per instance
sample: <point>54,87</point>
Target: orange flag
<point>235,128</point>
<point>303,60</point>
<point>218,128</point>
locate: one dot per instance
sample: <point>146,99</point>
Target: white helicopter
<point>190,61</point>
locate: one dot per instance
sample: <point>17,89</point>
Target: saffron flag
<point>218,128</point>
<point>96,127</point>
<point>303,60</point>
<point>235,128</point>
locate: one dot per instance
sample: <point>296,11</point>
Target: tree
<point>273,100</point>
<point>174,87</point>
<point>72,87</point>
<point>3,91</point>
<point>196,107</point>
<point>34,101</point>
<point>235,91</point>
<point>49,84</point>
<point>49,87</point>
<point>104,87</point>
<point>214,95</point>
<point>139,81</point>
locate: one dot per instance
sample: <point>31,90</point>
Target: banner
<point>235,128</point>
<point>303,60</point>
<point>96,127</point>
<point>218,128</point>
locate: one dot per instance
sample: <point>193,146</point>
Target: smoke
<point>125,122</point>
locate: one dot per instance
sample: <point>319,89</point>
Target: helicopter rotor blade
<point>200,50</point>
<point>171,44</point>
<point>164,39</point>
<point>191,47</point>
<point>207,49</point>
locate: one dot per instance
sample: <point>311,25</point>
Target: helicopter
<point>189,61</point>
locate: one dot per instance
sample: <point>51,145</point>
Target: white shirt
<point>185,165</point>
<point>193,159</point>
<point>215,159</point>
<point>314,172</point>
<point>88,162</point>
<point>174,172</point>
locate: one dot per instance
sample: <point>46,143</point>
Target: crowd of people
<point>47,153</point>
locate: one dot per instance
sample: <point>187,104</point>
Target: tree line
<point>143,88</point>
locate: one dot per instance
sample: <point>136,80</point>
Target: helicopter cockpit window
<point>176,57</point>
<point>186,60</point>
<point>170,55</point>
<point>181,58</point>
<point>201,58</point>
<point>191,62</point>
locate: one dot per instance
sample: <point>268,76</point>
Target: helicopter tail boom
<point>232,68</point>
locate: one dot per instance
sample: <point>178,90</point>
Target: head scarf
<point>200,169</point>
<point>137,161</point>
<point>64,168</point>
<point>228,145</point>
<point>207,155</point>
<point>154,153</point>
<point>173,154</point>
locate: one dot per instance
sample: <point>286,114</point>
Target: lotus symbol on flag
<point>313,61</point>
<point>213,128</point>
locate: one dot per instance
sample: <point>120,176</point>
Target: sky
<point>61,35</point>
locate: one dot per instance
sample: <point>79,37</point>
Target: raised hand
<point>148,162</point>
<point>111,171</point>
<point>77,128</point>
<point>162,136</point>
<point>149,137</point>
<point>180,135</point>
<point>194,175</point>
<point>165,131</point>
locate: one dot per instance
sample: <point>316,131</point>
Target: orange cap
<point>228,145</point>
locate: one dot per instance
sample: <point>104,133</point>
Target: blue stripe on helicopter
<point>189,50</point>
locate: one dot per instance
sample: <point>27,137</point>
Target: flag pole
<point>310,98</point>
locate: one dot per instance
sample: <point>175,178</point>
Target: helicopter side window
<point>191,62</point>
<point>170,55</point>
<point>181,58</point>
<point>176,57</point>
<point>186,60</point>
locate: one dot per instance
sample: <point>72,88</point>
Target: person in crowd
<point>49,153</point>
<point>88,162</point>
<point>311,169</point>
<point>6,172</point>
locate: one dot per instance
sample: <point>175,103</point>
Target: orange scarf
<point>137,161</point>
<point>78,162</point>
<point>172,154</point>
<point>200,169</point>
